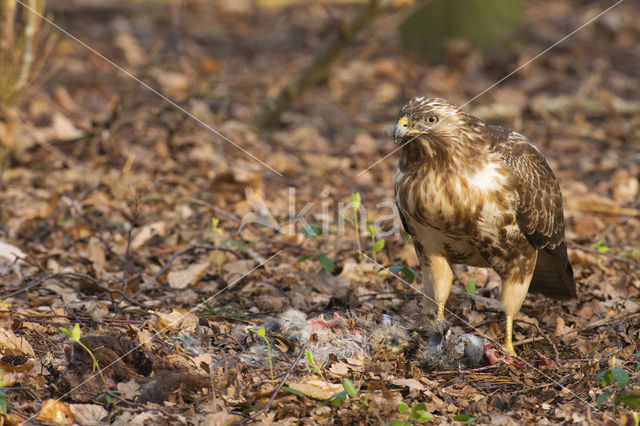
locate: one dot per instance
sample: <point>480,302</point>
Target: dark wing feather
<point>539,213</point>
<point>405,225</point>
<point>416,244</point>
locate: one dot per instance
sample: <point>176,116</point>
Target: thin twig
<point>605,321</point>
<point>469,371</point>
<point>31,23</point>
<point>77,276</point>
<point>45,318</point>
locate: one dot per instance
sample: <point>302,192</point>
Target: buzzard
<point>481,195</point>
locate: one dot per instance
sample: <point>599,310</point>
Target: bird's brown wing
<point>539,213</point>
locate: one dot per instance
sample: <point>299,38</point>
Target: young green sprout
<point>311,232</point>
<point>263,334</point>
<point>315,367</point>
<point>74,337</point>
<point>376,246</point>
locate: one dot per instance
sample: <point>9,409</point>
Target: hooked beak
<point>402,130</point>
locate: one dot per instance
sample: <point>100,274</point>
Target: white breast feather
<point>487,179</point>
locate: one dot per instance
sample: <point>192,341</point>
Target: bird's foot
<point>508,348</point>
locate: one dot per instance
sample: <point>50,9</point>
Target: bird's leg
<point>437,278</point>
<point>508,344</point>
<point>440,315</point>
<point>515,286</point>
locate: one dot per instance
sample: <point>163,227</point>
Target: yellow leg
<point>440,311</point>
<point>508,344</point>
<point>436,280</point>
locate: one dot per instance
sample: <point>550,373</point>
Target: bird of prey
<point>481,195</point>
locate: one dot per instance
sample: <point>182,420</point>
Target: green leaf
<point>4,405</point>
<point>310,359</point>
<point>326,262</point>
<point>604,377</point>
<point>464,418</point>
<point>65,331</point>
<point>403,407</point>
<point>305,257</point>
<point>293,391</point>
<point>342,394</point>
<point>400,423</point>
<point>420,414</point>
<point>601,246</point>
<point>311,231</point>
<point>349,387</point>
<point>621,376</point>
<point>260,332</point>
<point>365,401</point>
<point>603,397</point>
<point>631,399</point>
<point>371,229</point>
<point>356,201</point>
<point>239,245</point>
<point>471,286</point>
<point>61,223</point>
<point>338,402</point>
<point>379,245</point>
<point>214,226</point>
<point>408,272</point>
<point>347,219</point>
<point>76,333</point>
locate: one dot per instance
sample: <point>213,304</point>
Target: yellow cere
<point>403,121</point>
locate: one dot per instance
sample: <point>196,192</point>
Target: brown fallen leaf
<point>15,345</point>
<point>339,368</point>
<point>562,329</point>
<point>10,252</point>
<point>187,277</point>
<point>88,414</point>
<point>238,268</point>
<point>316,392</point>
<point>129,389</point>
<point>54,411</point>
<point>178,321</point>
<point>147,232</point>
<point>412,384</point>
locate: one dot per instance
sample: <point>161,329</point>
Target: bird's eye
<point>432,119</point>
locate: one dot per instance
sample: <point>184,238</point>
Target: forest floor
<point>121,213</point>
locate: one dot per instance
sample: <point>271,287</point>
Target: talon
<point>508,347</point>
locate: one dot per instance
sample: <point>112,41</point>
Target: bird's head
<point>433,117</point>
